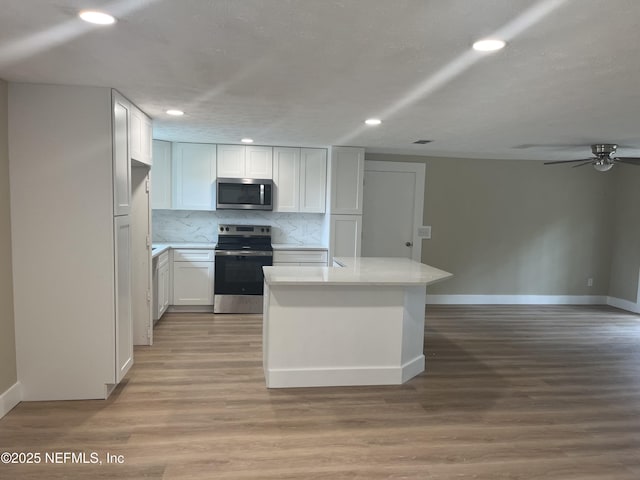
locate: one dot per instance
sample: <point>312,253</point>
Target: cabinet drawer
<point>300,256</point>
<point>191,255</point>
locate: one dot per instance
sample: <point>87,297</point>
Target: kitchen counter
<point>358,271</point>
<point>297,246</point>
<point>359,324</point>
<point>158,248</point>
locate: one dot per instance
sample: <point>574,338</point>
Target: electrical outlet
<point>589,282</point>
<point>424,231</point>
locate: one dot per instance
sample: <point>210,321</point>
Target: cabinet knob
<point>408,244</point>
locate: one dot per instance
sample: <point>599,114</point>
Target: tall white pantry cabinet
<point>70,183</point>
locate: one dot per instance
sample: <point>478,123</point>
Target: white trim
<point>623,304</point>
<point>517,299</point>
<point>10,398</point>
<point>418,207</point>
<point>337,377</point>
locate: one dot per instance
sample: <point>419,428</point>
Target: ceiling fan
<point>603,158</point>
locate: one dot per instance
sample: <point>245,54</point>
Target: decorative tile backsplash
<point>202,226</point>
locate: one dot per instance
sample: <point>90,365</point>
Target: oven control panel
<point>245,230</point>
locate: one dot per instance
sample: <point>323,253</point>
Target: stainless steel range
<point>241,252</point>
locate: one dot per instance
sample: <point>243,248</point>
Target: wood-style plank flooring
<point>547,393</point>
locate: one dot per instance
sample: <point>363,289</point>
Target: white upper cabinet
<point>231,161</point>
<point>259,162</point>
<point>313,180</point>
<point>347,180</point>
<point>299,176</point>
<point>240,161</point>
<point>161,175</point>
<point>121,159</point>
<point>194,167</point>
<point>286,179</point>
<point>140,138</point>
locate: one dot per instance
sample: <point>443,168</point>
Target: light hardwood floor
<point>547,393</point>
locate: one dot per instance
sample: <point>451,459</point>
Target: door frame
<point>418,199</point>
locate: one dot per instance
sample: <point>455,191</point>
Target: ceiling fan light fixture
<point>603,166</point>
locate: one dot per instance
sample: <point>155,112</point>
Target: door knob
<point>408,244</point>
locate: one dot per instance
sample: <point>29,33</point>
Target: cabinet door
<point>347,180</point>
<point>346,231</point>
<point>121,159</point>
<point>286,179</point>
<point>140,136</point>
<point>193,283</point>
<point>194,167</point>
<point>259,162</point>
<point>161,175</point>
<point>123,320</point>
<point>231,161</point>
<point>313,180</point>
<point>164,286</point>
<point>147,135</point>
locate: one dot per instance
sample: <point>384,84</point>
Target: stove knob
<point>222,229</point>
<point>227,229</point>
<point>267,230</point>
<point>262,229</point>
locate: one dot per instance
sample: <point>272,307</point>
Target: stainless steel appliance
<point>241,252</point>
<point>244,194</point>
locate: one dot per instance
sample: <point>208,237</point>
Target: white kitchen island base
<point>328,328</point>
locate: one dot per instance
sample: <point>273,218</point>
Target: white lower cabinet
<point>124,322</point>
<point>161,285</point>
<point>300,258</point>
<point>193,277</point>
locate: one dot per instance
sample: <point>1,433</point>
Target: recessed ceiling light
<point>247,140</point>
<point>489,45</point>
<point>373,121</point>
<point>175,113</point>
<point>99,18</point>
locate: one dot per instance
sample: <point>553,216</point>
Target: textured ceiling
<point>308,72</point>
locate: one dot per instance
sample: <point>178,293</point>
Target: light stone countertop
<point>358,271</point>
<point>159,248</point>
<point>297,246</point>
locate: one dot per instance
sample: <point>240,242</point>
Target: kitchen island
<point>360,322</point>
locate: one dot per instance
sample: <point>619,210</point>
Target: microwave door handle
<point>262,194</point>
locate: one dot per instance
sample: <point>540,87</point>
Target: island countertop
<point>358,271</point>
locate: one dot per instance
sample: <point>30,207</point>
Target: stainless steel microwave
<point>244,194</point>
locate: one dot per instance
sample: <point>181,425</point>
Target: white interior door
<point>392,209</point>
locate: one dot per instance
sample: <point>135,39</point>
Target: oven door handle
<point>243,253</point>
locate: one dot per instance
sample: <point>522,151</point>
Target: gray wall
<point>516,227</point>
<point>625,263</point>
<point>7,332</point>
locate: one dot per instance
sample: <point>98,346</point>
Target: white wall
<point>505,227</point>
<point>8,375</point>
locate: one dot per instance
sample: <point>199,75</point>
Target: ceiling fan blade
<point>583,164</point>
<point>628,162</point>
<point>628,159</point>
<point>589,160</point>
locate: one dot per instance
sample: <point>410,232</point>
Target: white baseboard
<point>517,299</point>
<point>623,304</point>
<point>10,398</point>
<point>533,300</point>
<point>339,376</point>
